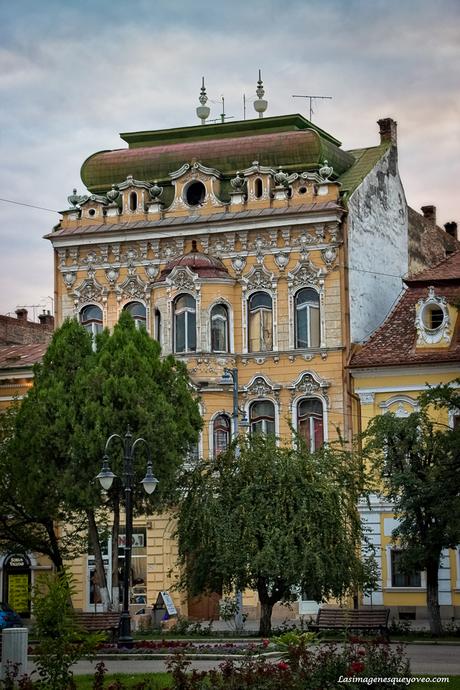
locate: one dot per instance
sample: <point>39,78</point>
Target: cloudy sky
<point>75,74</point>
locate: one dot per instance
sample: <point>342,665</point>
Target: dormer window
<point>432,320</point>
<point>258,188</point>
<point>195,193</point>
<point>432,317</point>
<point>133,201</point>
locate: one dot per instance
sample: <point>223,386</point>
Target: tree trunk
<point>54,544</point>
<point>265,623</point>
<point>115,534</point>
<point>432,599</point>
<point>98,561</point>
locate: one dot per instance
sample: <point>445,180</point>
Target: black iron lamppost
<point>106,477</point>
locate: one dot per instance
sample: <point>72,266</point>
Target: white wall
<point>377,244</point>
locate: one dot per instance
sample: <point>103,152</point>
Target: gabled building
<point>417,346</point>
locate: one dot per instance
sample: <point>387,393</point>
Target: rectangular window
<point>400,578</point>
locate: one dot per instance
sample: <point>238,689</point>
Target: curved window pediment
<point>307,319</point>
<point>185,324</point>
<point>260,318</point>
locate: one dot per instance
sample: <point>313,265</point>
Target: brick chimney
<point>429,212</point>
<point>388,130</point>
<point>451,229</point>
<point>46,319</point>
<point>21,314</point>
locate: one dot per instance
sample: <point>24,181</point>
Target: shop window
<point>307,318</point>
<point>400,578</point>
<point>262,417</point>
<point>310,423</point>
<point>260,322</point>
<point>138,312</point>
<point>185,324</point>
<point>221,434</point>
<point>219,329</point>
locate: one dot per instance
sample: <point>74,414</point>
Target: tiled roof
<point>428,243</point>
<point>18,356</point>
<point>365,159</point>
<point>446,270</point>
<point>214,218</point>
<point>394,342</point>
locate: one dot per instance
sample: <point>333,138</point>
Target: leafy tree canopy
<point>416,463</point>
<point>275,519</point>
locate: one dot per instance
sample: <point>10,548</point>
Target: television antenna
<point>223,116</point>
<point>312,98</point>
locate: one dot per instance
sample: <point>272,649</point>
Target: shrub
<point>61,642</point>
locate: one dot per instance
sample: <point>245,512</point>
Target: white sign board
<point>168,602</point>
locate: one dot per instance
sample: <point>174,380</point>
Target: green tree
<point>54,447</point>
<point>274,519</point>
<point>416,463</point>
<point>34,453</point>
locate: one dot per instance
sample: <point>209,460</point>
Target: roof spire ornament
<point>203,110</point>
<point>260,105</point>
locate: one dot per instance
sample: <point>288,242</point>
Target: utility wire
<point>21,203</point>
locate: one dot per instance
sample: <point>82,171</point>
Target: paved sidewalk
<point>435,659</point>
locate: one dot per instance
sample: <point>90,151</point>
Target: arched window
<point>258,189</point>
<point>91,319</point>
<point>260,322</point>
<point>138,312</point>
<point>133,201</point>
<point>221,434</point>
<point>310,422</point>
<point>307,318</point>
<point>262,417</point>
<point>219,328</point>
<point>184,324</point>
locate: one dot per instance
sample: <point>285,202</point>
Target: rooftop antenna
<point>312,98</point>
<point>203,110</point>
<point>260,105</point>
<point>223,116</point>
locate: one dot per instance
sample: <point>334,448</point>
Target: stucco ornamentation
<point>305,273</point>
<point>132,287</point>
<point>329,255</point>
<point>238,263</point>
<point>112,274</point>
<point>309,383</point>
<point>69,278</point>
<point>258,279</point>
<point>429,332</point>
<point>282,260</point>
<point>89,290</point>
<point>181,277</point>
<point>261,387</point>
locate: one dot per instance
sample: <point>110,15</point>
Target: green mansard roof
<point>290,141</point>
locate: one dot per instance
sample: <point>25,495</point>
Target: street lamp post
<point>231,376</point>
<point>106,477</point>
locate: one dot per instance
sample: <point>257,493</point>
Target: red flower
<point>361,652</point>
<point>282,665</point>
<point>265,643</point>
<point>357,666</point>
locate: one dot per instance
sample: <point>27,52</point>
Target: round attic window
<point>432,316</point>
<point>195,193</point>
<point>92,212</point>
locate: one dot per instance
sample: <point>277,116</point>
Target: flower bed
<point>168,647</point>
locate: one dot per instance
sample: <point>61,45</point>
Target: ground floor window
<point>400,578</point>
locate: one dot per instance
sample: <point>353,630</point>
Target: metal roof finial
<point>203,110</point>
<point>260,105</point>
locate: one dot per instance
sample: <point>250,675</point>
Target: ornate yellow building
<point>256,252</point>
<point>417,346</point>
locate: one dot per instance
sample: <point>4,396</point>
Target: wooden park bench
<point>101,621</point>
<point>364,620</point>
